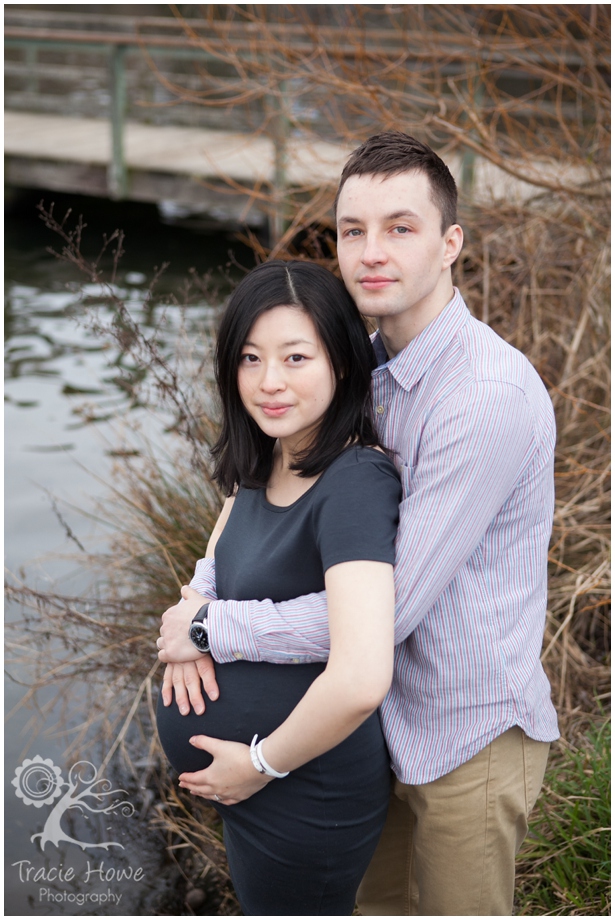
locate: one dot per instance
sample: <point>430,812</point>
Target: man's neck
<point>396,332</point>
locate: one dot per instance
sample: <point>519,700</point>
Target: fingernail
<point>213,695</point>
<point>200,710</point>
<point>184,710</point>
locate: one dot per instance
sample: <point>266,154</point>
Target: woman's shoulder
<point>365,457</point>
<point>358,471</point>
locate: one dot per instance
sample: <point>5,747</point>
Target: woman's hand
<point>231,778</point>
<point>187,678</point>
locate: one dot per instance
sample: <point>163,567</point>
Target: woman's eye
<point>249,359</point>
<point>296,359</point>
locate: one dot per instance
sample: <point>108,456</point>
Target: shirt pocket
<point>406,474</point>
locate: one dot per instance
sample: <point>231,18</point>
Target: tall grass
<point>565,865</point>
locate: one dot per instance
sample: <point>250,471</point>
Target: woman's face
<point>285,378</point>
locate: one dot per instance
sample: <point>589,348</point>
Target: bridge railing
<point>169,71</point>
<point>117,75</point>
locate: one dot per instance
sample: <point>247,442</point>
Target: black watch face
<point>199,637</point>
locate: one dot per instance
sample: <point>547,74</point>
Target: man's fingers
<point>189,593</point>
<point>207,673</point>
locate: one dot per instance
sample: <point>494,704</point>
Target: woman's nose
<point>273,379</point>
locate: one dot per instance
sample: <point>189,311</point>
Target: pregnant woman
<point>300,772</point>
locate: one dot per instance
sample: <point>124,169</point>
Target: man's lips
<point>375,282</point>
<point>274,410</point>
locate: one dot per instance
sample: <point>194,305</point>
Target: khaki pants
<point>448,847</point>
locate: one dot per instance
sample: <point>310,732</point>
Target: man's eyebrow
<point>395,215</point>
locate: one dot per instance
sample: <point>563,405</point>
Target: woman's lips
<point>274,410</point>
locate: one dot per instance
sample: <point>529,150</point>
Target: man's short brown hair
<point>394,152</point>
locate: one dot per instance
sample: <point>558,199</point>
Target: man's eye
<point>402,229</point>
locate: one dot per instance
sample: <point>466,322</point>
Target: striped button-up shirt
<point>473,433</point>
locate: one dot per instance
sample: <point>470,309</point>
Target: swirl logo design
<point>39,782</point>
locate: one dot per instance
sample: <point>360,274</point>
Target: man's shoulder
<point>489,357</point>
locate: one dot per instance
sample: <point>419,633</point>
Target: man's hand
<point>231,778</point>
<point>185,678</point>
<point>174,645</point>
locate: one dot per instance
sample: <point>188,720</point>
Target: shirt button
<point>238,656</point>
<point>295,661</point>
<point>380,410</point>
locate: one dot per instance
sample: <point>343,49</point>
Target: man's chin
<point>375,307</point>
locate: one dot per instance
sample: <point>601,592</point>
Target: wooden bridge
<point>138,108</point>
<point>200,169</point>
<point>86,112</point>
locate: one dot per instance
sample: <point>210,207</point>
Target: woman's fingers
<point>167,685</point>
<point>207,672</point>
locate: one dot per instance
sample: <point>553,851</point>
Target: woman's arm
<point>354,683</point>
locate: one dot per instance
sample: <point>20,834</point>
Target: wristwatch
<point>199,635</point>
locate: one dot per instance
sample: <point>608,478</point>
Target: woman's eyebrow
<point>290,344</point>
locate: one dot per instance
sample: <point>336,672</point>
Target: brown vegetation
<point>516,98</point>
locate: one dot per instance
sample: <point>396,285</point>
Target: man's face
<point>393,257</point>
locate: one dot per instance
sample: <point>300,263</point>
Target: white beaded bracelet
<point>258,759</point>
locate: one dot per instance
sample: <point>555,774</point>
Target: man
<point>468,719</point>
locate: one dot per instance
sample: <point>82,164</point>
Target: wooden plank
<point>242,158</point>
<point>216,202</point>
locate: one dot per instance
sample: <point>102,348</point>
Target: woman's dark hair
<point>243,453</point>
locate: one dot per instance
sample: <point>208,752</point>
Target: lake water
<point>64,407</point>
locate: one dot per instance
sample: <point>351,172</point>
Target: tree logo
<point>39,782</point>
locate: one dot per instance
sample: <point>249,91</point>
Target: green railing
<point>116,47</point>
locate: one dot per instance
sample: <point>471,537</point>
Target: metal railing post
<point>117,179</point>
<point>280,128</point>
<point>31,55</point>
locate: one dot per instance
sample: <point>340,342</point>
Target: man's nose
<point>373,251</point>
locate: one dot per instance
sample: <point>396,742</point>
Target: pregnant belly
<point>255,697</point>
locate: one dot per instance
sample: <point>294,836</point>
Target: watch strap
<point>201,616</point>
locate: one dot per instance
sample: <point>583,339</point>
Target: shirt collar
<point>413,361</point>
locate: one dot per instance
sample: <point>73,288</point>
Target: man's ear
<point>453,239</point>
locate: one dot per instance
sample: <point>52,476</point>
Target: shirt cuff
<point>230,633</point>
<point>204,578</point>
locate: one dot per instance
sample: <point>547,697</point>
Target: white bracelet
<point>258,759</point>
<point>257,764</point>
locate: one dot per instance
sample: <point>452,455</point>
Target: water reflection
<point>68,394</point>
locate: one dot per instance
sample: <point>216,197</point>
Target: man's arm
<point>474,448</point>
<point>473,451</point>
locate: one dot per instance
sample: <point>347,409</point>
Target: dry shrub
<point>540,279</point>
<point>516,98</point>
